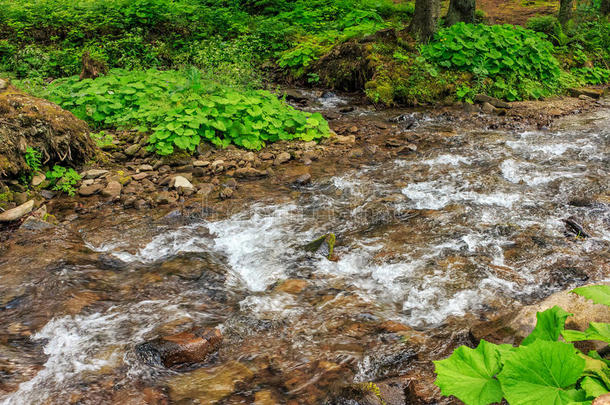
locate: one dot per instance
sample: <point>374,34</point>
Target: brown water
<point>470,225</point>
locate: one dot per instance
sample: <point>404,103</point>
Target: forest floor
<point>515,11</point>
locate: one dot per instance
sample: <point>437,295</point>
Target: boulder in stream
<point>182,348</point>
<point>323,246</point>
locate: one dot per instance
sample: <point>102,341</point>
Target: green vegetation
<point>541,370</point>
<point>63,179</point>
<point>32,158</point>
<point>181,110</point>
<point>506,61</point>
<point>102,139</point>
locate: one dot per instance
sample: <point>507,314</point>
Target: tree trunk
<point>605,8</point>
<point>460,10</point>
<point>565,11</point>
<point>425,18</point>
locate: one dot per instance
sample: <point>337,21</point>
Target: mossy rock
<point>27,121</point>
<point>324,245</point>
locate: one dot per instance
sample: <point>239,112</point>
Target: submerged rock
<point>182,348</point>
<point>324,246</point>
<point>209,385</point>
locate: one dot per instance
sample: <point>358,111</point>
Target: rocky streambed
<point>445,224</point>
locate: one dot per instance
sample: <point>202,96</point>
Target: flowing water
<point>469,225</point>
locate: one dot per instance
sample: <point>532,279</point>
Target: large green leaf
<point>549,325</point>
<point>600,294</point>
<point>593,387</point>
<point>595,331</point>
<point>470,374</point>
<point>542,373</point>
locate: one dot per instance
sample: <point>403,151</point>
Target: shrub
<point>63,179</point>
<point>179,109</point>
<point>520,61</point>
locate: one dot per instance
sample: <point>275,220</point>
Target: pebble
<point>181,182</point>
<point>201,163</point>
<point>89,190</point>
<point>282,158</point>
<point>94,173</point>
<point>140,176</point>
<point>38,179</point>
<point>112,190</point>
<point>146,168</point>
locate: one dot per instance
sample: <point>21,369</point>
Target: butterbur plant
<point>541,371</point>
<point>180,110</point>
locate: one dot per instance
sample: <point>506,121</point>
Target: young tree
<point>565,11</point>
<point>460,10</point>
<point>425,19</point>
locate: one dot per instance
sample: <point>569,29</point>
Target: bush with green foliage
<point>541,371</point>
<point>32,159</point>
<point>63,179</point>
<point>179,109</point>
<point>47,38</point>
<point>519,62</point>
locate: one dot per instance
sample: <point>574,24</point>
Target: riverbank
<point>126,175</point>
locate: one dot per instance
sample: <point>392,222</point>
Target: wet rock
<point>17,212</point>
<point>370,393</point>
<point>494,102</point>
<point>91,189</point>
<point>140,176</point>
<point>225,193</point>
<point>20,198</point>
<point>344,140</point>
<point>266,156</point>
<point>324,246</point>
<point>265,397</point>
<point>302,180</point>
<point>132,150</point>
<point>95,173</point>
<point>249,173</point>
<point>38,179</point>
<point>471,108</point>
<point>205,189</point>
<point>580,91</point>
<point>282,158</point>
<point>487,108</point>
<point>201,163</point>
<point>182,348</point>
<point>209,385</point>
<point>294,286</point>
<point>35,224</point>
<point>574,228</point>
<point>393,143</point>
<point>165,197</point>
<point>181,182</point>
<point>112,189</point>
<point>407,149</point>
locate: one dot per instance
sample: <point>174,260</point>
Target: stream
<point>427,243</point>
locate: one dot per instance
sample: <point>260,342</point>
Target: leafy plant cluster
<point>180,110</point>
<point>47,38</point>
<point>63,179</point>
<point>509,61</point>
<point>542,370</point>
